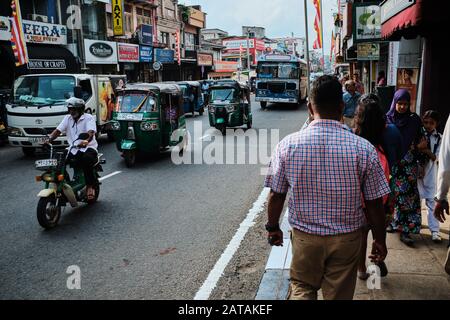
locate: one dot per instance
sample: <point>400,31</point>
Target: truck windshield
<point>43,90</point>
<point>136,102</point>
<point>222,94</point>
<point>278,70</point>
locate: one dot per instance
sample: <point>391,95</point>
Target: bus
<point>281,79</point>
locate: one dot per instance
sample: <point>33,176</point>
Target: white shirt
<point>73,129</point>
<point>443,179</point>
<point>427,185</point>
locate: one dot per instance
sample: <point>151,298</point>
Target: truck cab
<point>38,101</point>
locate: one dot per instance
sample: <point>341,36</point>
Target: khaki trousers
<point>327,263</point>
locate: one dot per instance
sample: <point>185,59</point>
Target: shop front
<point>205,61</point>
<point>165,65</point>
<point>418,30</point>
<point>128,57</point>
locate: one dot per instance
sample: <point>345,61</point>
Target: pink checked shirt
<point>327,170</point>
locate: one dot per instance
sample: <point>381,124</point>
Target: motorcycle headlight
<point>47,177</point>
<point>15,132</point>
<point>115,126</point>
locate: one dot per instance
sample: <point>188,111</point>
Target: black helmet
<point>75,103</point>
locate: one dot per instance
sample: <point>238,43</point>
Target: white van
<point>38,101</point>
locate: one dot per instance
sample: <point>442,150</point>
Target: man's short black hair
<point>326,94</point>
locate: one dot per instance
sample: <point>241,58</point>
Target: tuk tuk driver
<point>85,154</point>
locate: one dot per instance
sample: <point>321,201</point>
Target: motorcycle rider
<point>85,155</point>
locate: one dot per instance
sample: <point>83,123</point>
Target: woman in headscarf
<point>408,217</point>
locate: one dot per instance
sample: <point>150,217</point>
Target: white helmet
<point>75,103</point>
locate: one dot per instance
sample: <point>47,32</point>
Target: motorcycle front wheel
<point>48,213</point>
<point>97,194</point>
<point>130,158</point>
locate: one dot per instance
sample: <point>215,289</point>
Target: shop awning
<point>49,59</point>
<point>405,23</point>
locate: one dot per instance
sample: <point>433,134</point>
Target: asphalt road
<point>156,232</point>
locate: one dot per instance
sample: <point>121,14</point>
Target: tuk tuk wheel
<point>130,158</point>
<point>222,128</point>
<point>110,135</point>
<point>263,105</point>
<point>201,111</point>
<point>249,124</point>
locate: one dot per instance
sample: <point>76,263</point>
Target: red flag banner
<point>17,38</point>
<point>318,28</point>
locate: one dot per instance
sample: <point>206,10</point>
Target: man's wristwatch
<point>270,228</point>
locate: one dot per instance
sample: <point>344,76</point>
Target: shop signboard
<point>117,12</point>
<point>146,54</point>
<point>100,52</point>
<point>45,33</point>
<point>128,52</point>
<point>164,56</point>
<point>146,34</point>
<point>366,22</point>
<point>368,51</point>
<point>46,64</point>
<point>5,29</point>
<point>205,59</point>
<point>390,8</point>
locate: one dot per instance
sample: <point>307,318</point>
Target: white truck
<point>38,101</point>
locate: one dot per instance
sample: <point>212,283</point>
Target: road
<point>156,232</point>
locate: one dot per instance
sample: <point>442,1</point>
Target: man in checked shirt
<point>328,172</point>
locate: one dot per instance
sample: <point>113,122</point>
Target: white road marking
<point>213,278</point>
<point>110,175</point>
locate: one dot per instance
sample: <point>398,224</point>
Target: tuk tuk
<point>148,118</point>
<point>192,97</point>
<point>229,105</point>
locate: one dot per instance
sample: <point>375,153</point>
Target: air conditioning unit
<point>39,18</point>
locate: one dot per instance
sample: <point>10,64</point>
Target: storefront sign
<point>368,51</point>
<point>366,22</point>
<point>146,53</point>
<point>390,8</point>
<point>226,66</point>
<point>128,52</point>
<point>236,44</point>
<point>5,29</point>
<point>100,52</point>
<point>46,33</point>
<point>157,66</point>
<point>38,64</point>
<point>164,56</point>
<point>117,12</point>
<point>146,34</point>
<point>205,59</point>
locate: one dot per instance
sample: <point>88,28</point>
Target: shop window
<point>165,38</point>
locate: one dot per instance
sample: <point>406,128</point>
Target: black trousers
<point>85,161</point>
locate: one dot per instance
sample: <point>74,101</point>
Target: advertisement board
<point>128,52</point>
<point>117,15</point>
<point>164,56</point>
<point>408,78</point>
<point>145,54</point>
<point>100,52</point>
<point>368,51</point>
<point>366,22</point>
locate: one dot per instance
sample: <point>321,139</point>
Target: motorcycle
<point>60,189</point>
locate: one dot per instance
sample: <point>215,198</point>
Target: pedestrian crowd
<point>354,169</point>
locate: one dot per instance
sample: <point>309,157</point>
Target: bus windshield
<point>43,90</point>
<point>278,70</point>
<point>136,102</point>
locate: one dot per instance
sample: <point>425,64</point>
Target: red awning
<point>408,18</point>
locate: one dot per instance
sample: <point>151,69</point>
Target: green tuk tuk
<point>229,105</point>
<point>192,97</point>
<point>148,118</point>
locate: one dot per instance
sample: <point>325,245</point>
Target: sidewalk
<point>414,273</point>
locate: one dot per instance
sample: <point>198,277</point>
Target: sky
<point>279,17</point>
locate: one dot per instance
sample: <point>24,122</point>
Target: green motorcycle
<point>60,189</point>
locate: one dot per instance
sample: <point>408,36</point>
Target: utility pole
<point>80,38</point>
<point>321,30</point>
<point>248,55</point>
<point>307,48</point>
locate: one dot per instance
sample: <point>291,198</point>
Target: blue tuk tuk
<point>192,97</point>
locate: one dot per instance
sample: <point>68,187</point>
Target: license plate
<point>130,116</point>
<point>46,163</point>
<point>37,140</point>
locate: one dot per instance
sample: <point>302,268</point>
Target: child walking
<point>428,175</point>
